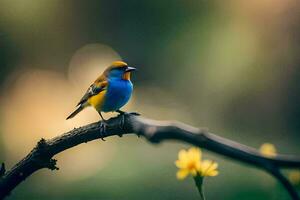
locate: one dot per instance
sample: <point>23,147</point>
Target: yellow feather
<point>126,76</point>
<point>97,100</point>
<point>118,64</point>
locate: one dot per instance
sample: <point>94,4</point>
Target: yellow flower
<point>209,168</point>
<point>268,149</point>
<point>189,162</point>
<point>294,177</point>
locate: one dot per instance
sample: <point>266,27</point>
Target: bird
<point>109,92</point>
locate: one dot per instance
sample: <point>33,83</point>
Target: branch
<point>285,182</point>
<point>154,131</point>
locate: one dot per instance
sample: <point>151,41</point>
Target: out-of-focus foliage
<point>232,66</point>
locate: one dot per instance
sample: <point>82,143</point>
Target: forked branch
<point>154,131</point>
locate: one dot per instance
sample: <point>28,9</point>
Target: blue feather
<point>117,95</point>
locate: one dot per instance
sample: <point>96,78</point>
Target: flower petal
<point>209,168</point>
<point>182,155</point>
<point>194,154</point>
<point>205,164</point>
<point>213,166</point>
<point>181,174</point>
<point>189,162</point>
<point>198,166</point>
<point>212,173</point>
<point>181,163</point>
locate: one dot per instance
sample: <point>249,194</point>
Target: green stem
<point>199,183</point>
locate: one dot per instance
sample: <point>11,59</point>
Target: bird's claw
<point>122,114</point>
<point>102,130</point>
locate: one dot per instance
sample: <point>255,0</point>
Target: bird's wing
<point>99,85</point>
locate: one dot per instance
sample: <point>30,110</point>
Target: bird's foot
<point>103,126</point>
<point>123,114</point>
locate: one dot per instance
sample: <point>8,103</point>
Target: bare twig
<point>154,131</point>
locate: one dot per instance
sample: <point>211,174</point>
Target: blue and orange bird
<point>110,91</point>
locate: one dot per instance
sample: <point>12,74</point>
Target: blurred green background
<point>232,66</point>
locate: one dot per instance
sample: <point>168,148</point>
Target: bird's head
<point>119,70</point>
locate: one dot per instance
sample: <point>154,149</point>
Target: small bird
<point>110,91</point>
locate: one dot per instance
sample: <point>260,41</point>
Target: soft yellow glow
<point>90,60</point>
<point>268,149</point>
<point>294,177</point>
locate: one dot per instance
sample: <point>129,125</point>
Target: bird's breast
<point>117,95</point>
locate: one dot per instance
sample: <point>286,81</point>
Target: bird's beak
<point>129,69</point>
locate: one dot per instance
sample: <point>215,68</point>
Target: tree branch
<point>154,131</point>
<point>285,183</point>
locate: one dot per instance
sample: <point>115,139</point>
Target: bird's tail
<point>80,108</point>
